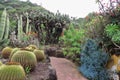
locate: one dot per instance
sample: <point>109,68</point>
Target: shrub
<point>112,31</point>
<point>93,61</point>
<point>25,58</point>
<point>72,40</point>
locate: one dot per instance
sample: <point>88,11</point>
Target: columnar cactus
<point>20,29</point>
<point>39,54</point>
<point>6,52</point>
<point>12,72</point>
<point>4,25</point>
<point>25,58</point>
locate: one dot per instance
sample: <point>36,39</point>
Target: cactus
<point>25,58</point>
<point>3,24</point>
<point>4,29</point>
<point>20,29</point>
<point>27,24</point>
<point>31,47</point>
<point>39,54</point>
<point>6,52</point>
<point>12,72</point>
<point>1,63</point>
<point>13,51</point>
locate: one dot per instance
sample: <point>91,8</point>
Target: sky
<point>74,8</point>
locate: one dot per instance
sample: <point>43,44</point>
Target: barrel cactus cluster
<point>19,59</point>
<point>12,72</point>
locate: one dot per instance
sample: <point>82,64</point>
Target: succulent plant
<point>25,58</point>
<point>13,51</point>
<point>39,54</point>
<point>31,47</point>
<point>1,63</point>
<point>6,52</point>
<point>12,72</point>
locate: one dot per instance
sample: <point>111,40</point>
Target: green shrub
<point>113,32</point>
<point>72,40</point>
<point>25,58</point>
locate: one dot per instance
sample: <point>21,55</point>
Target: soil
<point>43,71</point>
<point>65,69</point>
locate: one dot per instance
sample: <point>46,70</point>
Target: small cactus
<point>6,52</point>
<point>31,47</point>
<point>13,51</point>
<point>25,58</point>
<point>1,63</point>
<point>39,54</point>
<point>12,72</point>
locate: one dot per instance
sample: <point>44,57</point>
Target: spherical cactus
<point>13,51</point>
<point>12,72</point>
<point>1,63</point>
<point>31,47</point>
<point>6,52</point>
<point>39,54</point>
<point>25,58</point>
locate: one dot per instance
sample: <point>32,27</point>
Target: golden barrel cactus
<point>25,58</point>
<point>31,47</point>
<point>13,51</point>
<point>12,72</point>
<point>39,54</point>
<point>6,52</point>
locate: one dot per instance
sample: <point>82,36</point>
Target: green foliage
<point>12,72</point>
<point>27,70</point>
<point>72,40</point>
<point>112,31</point>
<point>25,58</point>
<point>93,61</point>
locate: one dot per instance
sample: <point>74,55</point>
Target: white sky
<point>74,8</point>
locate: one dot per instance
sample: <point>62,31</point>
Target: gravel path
<point>65,69</point>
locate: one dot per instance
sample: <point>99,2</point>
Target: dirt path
<point>65,69</point>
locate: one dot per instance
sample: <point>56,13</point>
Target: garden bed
<point>43,71</point>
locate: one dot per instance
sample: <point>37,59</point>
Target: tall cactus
<point>7,27</point>
<point>3,24</point>
<point>4,29</point>
<point>20,30</point>
<point>27,24</point>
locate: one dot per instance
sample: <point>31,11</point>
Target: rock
<point>43,71</point>
<point>54,51</point>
